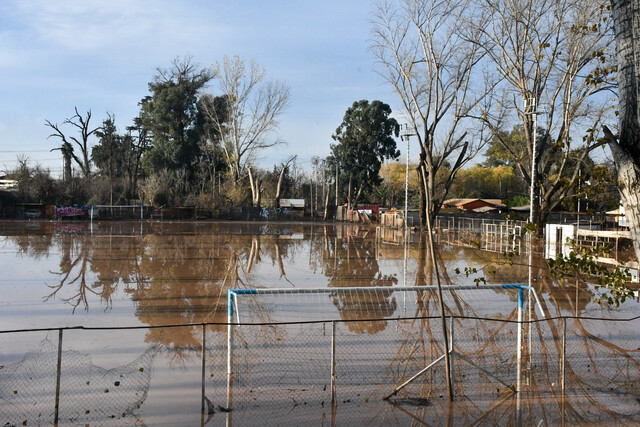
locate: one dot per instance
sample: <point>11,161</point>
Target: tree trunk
<point>349,201</point>
<point>67,167</point>
<point>423,194</point>
<point>279,186</point>
<point>326,204</point>
<point>256,189</point>
<point>626,151</point>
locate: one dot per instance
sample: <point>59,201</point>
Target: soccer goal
<point>371,341</point>
<point>130,212</point>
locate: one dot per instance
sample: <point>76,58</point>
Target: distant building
<point>474,205</point>
<point>292,203</point>
<point>618,217</point>
<point>8,184</point>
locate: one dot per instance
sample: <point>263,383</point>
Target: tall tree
<point>249,117</point>
<point>109,153</point>
<point>170,115</point>
<point>626,147</point>
<point>546,52</point>
<point>137,142</point>
<point>430,67</point>
<point>82,124</point>
<point>365,139</point>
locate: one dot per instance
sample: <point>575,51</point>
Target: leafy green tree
<point>392,188</point>
<point>171,114</point>
<point>486,182</point>
<point>109,154</point>
<point>35,183</point>
<point>365,139</point>
<point>498,155</point>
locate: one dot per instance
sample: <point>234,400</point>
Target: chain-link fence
<point>571,370</point>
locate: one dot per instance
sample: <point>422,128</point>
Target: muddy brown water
<point>150,274</point>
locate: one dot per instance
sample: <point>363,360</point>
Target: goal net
<point>293,344</point>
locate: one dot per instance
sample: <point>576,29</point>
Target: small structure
<point>293,204</point>
<point>475,205</point>
<point>618,217</point>
<point>559,236</point>
<point>8,184</point>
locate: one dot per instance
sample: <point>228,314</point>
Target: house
<point>474,205</point>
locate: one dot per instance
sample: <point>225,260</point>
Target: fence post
<point>230,351</point>
<point>333,363</point>
<point>56,415</point>
<point>204,346</point>
<point>452,351</point>
<point>519,338</point>
<point>564,355</point>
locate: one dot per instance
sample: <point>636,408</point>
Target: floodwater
<point>144,276</point>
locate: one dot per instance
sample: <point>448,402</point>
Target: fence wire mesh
<point>282,374</point>
<point>86,392</point>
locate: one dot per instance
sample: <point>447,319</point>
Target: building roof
<point>462,202</point>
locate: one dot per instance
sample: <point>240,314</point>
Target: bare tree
<point>546,52</point>
<point>81,123</point>
<point>283,171</point>
<point>430,67</point>
<point>253,105</point>
<point>256,187</point>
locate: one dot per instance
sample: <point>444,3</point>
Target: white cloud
<point>93,26</point>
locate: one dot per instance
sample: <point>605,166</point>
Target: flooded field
<point>144,291</point>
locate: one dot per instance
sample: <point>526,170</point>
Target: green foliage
<point>517,200</point>
<point>110,152</point>
<point>497,153</point>
<point>171,114</point>
<point>365,139</point>
<point>392,189</point>
<point>35,184</point>
<point>581,263</point>
<point>469,271</point>
<point>486,182</point>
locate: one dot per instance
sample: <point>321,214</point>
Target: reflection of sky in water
<point>180,273</point>
<point>63,274</point>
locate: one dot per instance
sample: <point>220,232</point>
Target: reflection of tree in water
<point>355,265</point>
<point>33,241</point>
<point>603,363</point>
<point>78,255</point>
<point>187,275</point>
<point>187,289</point>
<point>602,366</point>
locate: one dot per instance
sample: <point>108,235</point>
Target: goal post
<point>117,212</point>
<point>261,320</point>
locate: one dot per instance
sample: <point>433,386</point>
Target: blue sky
<point>100,55</point>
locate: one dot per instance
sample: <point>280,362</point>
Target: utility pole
<point>532,108</point>
<point>405,135</point>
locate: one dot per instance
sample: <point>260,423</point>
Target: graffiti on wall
<point>67,211</point>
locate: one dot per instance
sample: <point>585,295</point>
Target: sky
<point>100,55</point>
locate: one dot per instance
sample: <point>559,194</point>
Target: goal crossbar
<point>234,293</point>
